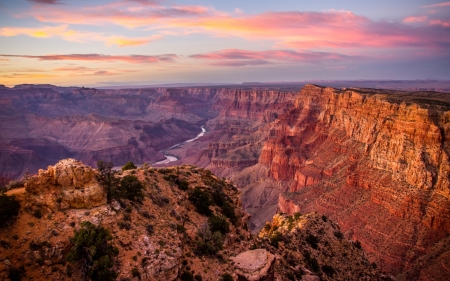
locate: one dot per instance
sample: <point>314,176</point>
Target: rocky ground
<point>159,238</point>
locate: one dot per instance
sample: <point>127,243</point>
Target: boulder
<point>68,184</point>
<point>254,265</point>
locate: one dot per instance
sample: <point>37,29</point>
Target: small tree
<point>208,243</point>
<point>9,209</point>
<point>201,200</point>
<point>131,188</point>
<point>92,250</point>
<point>129,166</point>
<point>106,177</point>
<point>218,223</point>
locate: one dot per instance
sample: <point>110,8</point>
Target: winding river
<point>170,158</point>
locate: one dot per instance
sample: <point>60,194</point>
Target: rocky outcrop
<point>254,265</point>
<point>375,161</point>
<point>68,184</point>
<point>312,247</point>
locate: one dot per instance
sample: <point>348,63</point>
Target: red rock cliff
<point>375,161</point>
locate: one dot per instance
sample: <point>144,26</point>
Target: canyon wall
<point>375,161</point>
<point>241,127</point>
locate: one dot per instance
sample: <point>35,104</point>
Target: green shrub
<point>186,276</point>
<point>208,243</point>
<point>9,209</point>
<point>131,188</point>
<point>201,200</point>
<point>15,274</point>
<point>37,213</point>
<point>223,201</point>
<point>338,235</point>
<point>297,215</point>
<point>312,262</point>
<point>198,277</point>
<point>90,246</point>
<point>312,240</point>
<point>275,238</point>
<point>218,223</point>
<point>183,185</point>
<point>328,270</point>
<point>129,166</point>
<point>135,272</point>
<point>227,277</point>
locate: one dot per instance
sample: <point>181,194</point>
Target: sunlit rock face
<point>375,161</point>
<point>68,184</point>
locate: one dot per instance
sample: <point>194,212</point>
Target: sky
<point>142,42</point>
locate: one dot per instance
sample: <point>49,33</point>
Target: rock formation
<point>160,237</point>
<point>375,161</point>
<point>68,184</point>
<point>254,265</point>
<point>311,247</point>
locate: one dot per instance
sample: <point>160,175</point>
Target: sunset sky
<point>142,42</point>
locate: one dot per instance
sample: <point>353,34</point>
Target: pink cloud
<point>48,2</point>
<point>444,4</point>
<point>101,58</point>
<point>300,30</point>
<point>440,22</point>
<point>235,57</point>
<point>415,19</point>
<point>126,13</point>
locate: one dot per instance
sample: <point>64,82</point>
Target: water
<point>170,158</point>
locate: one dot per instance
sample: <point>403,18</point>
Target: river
<point>170,158</point>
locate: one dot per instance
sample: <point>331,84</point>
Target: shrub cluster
<point>92,250</point>
<point>9,209</point>
<point>208,243</point>
<point>200,199</point>
<point>129,166</point>
<point>129,187</point>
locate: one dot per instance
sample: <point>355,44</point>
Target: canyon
<point>375,161</point>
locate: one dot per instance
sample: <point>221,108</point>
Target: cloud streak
<point>236,57</point>
<point>62,31</point>
<point>134,59</point>
<point>48,2</point>
<point>437,5</point>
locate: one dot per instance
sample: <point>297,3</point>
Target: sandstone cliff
<point>375,161</point>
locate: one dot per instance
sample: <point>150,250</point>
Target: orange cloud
<point>27,75</point>
<point>40,32</point>
<point>101,58</point>
<point>63,32</point>
<point>124,42</point>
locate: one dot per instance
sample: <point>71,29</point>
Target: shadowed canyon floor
<point>374,161</point>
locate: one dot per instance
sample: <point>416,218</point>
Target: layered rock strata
<point>375,161</point>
